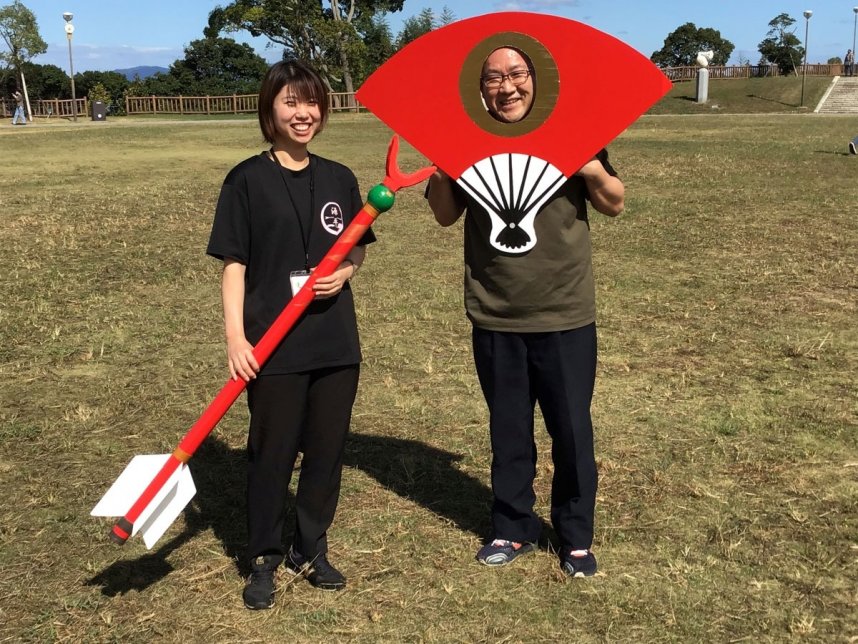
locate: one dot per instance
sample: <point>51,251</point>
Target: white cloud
<point>539,6</point>
<point>108,57</point>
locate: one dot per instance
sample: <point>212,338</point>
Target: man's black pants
<point>557,370</point>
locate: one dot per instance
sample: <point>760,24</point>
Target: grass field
<point>781,94</point>
<point>725,405</point>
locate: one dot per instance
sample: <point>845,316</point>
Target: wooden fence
<point>50,108</point>
<point>718,72</point>
<point>345,101</point>
<point>235,104</point>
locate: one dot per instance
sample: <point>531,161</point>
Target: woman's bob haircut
<point>304,82</point>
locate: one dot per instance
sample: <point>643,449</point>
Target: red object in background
<point>597,84</point>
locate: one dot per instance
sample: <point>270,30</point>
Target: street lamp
<point>854,29</point>
<point>67,16</point>
<point>807,14</point>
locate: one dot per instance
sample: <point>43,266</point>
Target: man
<point>19,110</point>
<point>848,63</point>
<point>534,337</point>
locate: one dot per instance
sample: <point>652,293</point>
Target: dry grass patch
<point>725,405</point>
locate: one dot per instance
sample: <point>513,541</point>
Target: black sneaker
<point>259,591</point>
<point>852,147</point>
<point>500,552</point>
<point>578,565</point>
<point>317,570</point>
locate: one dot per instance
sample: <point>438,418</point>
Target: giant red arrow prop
<point>164,479</point>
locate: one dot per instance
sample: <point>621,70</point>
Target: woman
<point>279,212</point>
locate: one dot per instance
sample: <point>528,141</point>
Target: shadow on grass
<point>771,100</point>
<point>837,154</point>
<point>415,471</point>
<point>423,474</point>
<point>219,475</point>
<point>428,476</point>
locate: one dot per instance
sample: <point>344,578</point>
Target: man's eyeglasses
<point>518,77</point>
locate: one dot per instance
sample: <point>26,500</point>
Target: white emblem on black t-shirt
<point>332,218</point>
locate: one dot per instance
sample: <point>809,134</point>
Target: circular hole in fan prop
<point>546,83</point>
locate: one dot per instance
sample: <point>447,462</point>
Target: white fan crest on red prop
<point>512,188</point>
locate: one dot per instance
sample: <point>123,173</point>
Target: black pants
<point>558,370</point>
<point>307,412</point>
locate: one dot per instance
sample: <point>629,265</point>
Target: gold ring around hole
<point>546,83</point>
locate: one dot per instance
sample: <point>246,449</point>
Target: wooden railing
<point>235,104</point>
<point>50,108</point>
<point>748,71</point>
<point>346,101</point>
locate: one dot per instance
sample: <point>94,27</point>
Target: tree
<point>98,92</point>
<point>160,84</point>
<point>684,43</point>
<point>835,61</point>
<point>781,46</point>
<point>220,66</point>
<point>423,23</point>
<point>211,66</point>
<point>19,32</point>
<point>379,47</point>
<point>416,26</point>
<point>328,34</point>
<point>447,16</point>
<point>112,86</point>
<point>43,81</point>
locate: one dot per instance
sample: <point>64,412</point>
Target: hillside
<point>745,96</point>
<point>143,71</point>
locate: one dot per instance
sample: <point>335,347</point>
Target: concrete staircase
<point>842,98</point>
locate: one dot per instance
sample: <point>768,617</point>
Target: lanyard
<point>305,237</point>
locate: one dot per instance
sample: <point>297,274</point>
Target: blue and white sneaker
<point>578,563</point>
<point>500,552</point>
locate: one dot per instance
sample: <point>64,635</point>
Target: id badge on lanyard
<point>297,279</point>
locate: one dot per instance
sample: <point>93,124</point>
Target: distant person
<point>849,63</point>
<point>19,109</point>
<point>278,215</point>
<point>534,337</point>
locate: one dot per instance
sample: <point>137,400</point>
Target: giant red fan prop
<point>589,87</point>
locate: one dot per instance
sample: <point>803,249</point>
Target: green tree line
<point>346,40</point>
<point>780,47</point>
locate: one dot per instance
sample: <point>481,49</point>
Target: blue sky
<point>118,34</point>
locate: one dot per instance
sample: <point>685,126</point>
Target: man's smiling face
<point>508,102</point>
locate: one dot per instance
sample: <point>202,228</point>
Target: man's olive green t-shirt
<point>548,288</point>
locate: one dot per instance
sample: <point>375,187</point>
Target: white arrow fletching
<point>164,507</point>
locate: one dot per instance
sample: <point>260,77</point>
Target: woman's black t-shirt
<point>256,223</point>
